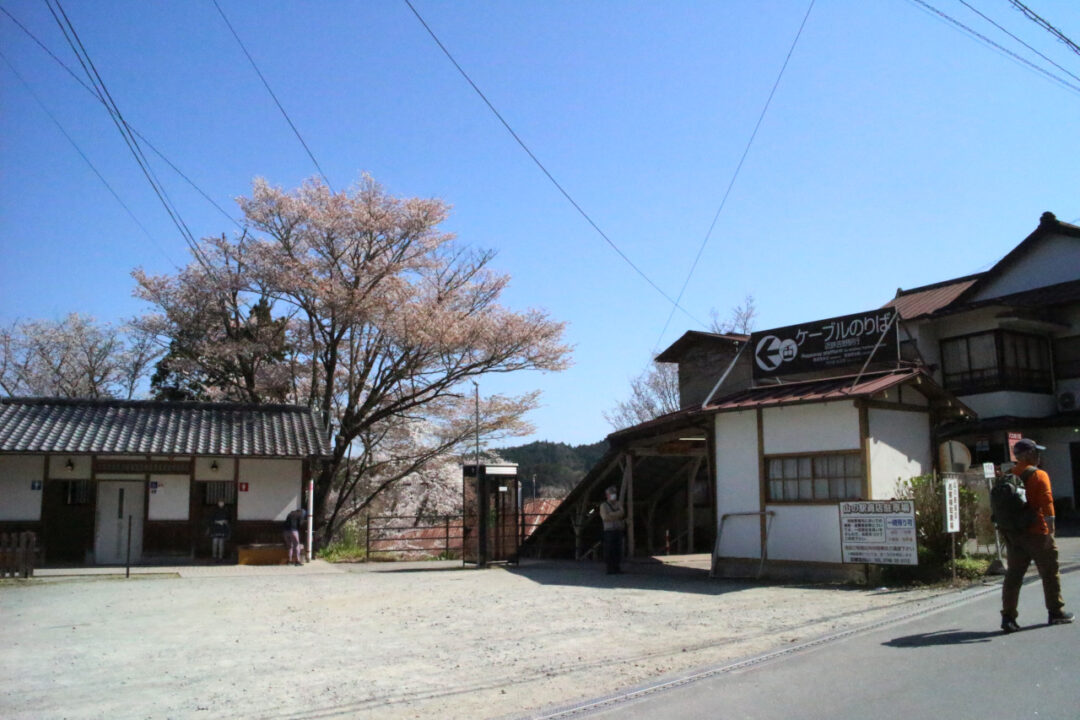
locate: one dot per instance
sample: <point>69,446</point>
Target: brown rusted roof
<point>928,299</point>
<point>138,427</point>
<point>830,389</point>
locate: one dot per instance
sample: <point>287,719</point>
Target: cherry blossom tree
<point>359,306</point>
<point>75,358</point>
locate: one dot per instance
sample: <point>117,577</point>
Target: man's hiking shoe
<point>1060,618</point>
<point>1008,625</point>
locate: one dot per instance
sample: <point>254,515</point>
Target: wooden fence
<point>17,552</point>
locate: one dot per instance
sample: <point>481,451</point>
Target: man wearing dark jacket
<point>294,521</point>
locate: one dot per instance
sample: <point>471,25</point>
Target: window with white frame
<point>817,477</point>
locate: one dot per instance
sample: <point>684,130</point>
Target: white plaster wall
<point>18,473</point>
<point>808,533</point>
<point>273,489</point>
<point>738,487</point>
<point>899,449</point>
<point>1056,460</point>
<point>58,467</point>
<point>1053,260</point>
<point>1069,385</point>
<point>1020,404</point>
<point>814,427</point>
<point>204,472</point>
<point>171,499</point>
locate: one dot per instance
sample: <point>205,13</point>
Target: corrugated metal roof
<point>930,298</point>
<point>133,427</point>
<point>814,390</point>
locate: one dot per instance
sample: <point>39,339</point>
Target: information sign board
<point>826,344</point>
<point>879,532</point>
<point>952,504</point>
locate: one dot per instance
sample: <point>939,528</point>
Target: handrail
<point>764,545</point>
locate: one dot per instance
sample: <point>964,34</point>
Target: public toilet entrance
<point>491,526</point>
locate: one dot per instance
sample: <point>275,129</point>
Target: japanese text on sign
<point>823,344</point>
<point>878,532</point>
<point>952,505</point>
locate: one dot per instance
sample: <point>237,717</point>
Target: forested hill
<point>557,466</point>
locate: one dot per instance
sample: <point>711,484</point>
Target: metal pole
<point>476,387</point>
<point>310,517</point>
<point>367,539</point>
<point>127,568</point>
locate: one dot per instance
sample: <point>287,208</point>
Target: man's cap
<point>1024,445</point>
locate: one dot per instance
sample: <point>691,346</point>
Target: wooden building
<point>773,436</point>
<point>80,473</point>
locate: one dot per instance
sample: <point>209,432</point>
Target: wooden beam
<point>628,502</point>
<point>690,479</point>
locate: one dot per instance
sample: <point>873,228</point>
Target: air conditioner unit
<point>1066,401</point>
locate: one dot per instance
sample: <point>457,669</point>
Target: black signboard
<point>831,344</point>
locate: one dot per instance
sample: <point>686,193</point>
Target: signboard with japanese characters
<point>826,344</point>
<point>952,504</point>
<point>881,532</point>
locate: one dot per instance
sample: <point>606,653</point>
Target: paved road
<point>950,663</point>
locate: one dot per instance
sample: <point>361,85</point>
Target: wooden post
<point>691,478</point>
<point>628,484</point>
<point>367,539</point>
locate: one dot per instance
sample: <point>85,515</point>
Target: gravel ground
<point>386,641</point>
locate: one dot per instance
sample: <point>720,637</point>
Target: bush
<point>935,556</point>
<point>928,494</point>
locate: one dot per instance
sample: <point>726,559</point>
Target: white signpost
<point>880,532</point>
<point>952,515</point>
<point>952,505</point>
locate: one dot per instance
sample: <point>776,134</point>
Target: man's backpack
<point>1008,502</point>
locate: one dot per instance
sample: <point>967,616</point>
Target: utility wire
<point>276,101</point>
<point>999,27</point>
<point>86,159</point>
<point>544,170</point>
<point>72,38</point>
<point>1031,15</point>
<point>735,175</point>
<point>974,33</point>
<point>138,134</point>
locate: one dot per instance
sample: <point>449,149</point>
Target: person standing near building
<point>614,516</point>
<point>1036,542</point>
<point>294,521</point>
<point>219,530</point>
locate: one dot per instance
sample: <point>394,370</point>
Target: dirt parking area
<point>387,641</point>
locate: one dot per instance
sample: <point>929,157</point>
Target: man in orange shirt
<point>1036,542</point>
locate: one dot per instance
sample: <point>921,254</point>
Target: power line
<point>974,33</point>
<point>999,27</point>
<point>1031,15</point>
<point>86,159</point>
<point>76,45</point>
<point>138,134</point>
<point>735,175</point>
<point>276,101</point>
<point>544,170</point>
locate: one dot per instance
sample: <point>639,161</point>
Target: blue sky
<point>897,151</point>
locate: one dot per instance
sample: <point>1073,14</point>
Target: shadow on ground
<point>945,637</point>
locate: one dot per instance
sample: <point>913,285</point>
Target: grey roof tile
<point>134,427</point>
